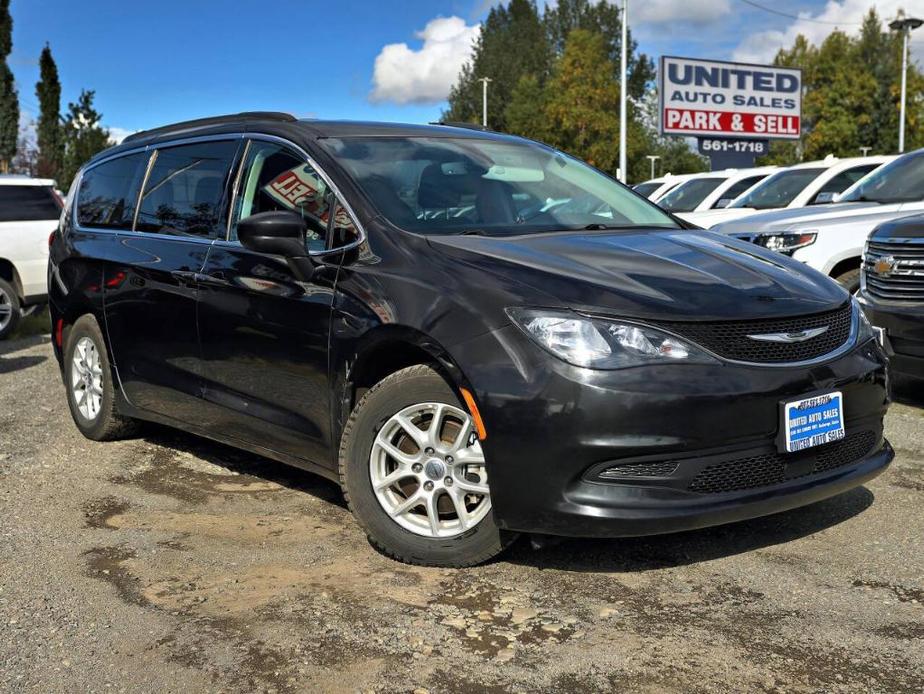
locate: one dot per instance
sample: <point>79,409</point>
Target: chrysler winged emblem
<point>791,337</point>
<point>884,266</point>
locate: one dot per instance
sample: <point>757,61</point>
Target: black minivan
<point>476,335</point>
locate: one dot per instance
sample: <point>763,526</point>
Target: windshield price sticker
<point>814,421</point>
<point>721,99</point>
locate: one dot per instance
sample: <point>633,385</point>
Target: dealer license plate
<point>814,421</point>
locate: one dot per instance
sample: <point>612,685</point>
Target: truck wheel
<point>414,474</point>
<point>850,280</point>
<point>90,388</point>
<point>9,309</point>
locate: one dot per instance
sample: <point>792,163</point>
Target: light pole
<point>905,25</point>
<point>652,158</point>
<point>484,100</point>
<point>865,150</point>
<point>622,91</point>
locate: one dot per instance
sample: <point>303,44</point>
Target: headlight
<point>786,242</point>
<point>865,330</point>
<point>598,343</point>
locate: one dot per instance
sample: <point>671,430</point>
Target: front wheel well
<point>845,265</point>
<point>386,359</point>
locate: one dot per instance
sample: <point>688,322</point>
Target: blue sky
<point>155,62</point>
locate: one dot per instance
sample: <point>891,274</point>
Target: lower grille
<point>639,470</point>
<point>769,469</point>
<point>730,339</point>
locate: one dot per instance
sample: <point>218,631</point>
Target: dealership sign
<point>709,98</point>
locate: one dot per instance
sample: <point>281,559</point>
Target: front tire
<point>850,280</point>
<point>414,475</point>
<point>89,383</point>
<point>10,310</point>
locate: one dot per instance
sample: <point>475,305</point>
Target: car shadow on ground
<point>565,554</point>
<point>908,392</point>
<point>245,463</point>
<point>11,364</point>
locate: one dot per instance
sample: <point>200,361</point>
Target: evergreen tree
<point>83,136</point>
<point>50,135</point>
<point>602,18</point>
<point>512,43</point>
<point>9,100</point>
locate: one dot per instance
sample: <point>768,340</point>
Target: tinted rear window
<point>108,192</point>
<point>28,204</point>
<point>186,189</point>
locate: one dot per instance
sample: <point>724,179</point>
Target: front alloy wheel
<point>414,473</point>
<point>428,471</point>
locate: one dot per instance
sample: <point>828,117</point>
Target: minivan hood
<point>800,217</point>
<point>649,274</point>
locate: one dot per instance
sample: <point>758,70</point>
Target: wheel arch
<point>384,351</point>
<point>852,262</point>
<point>8,272</point>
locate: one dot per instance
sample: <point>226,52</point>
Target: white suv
<point>29,211</point>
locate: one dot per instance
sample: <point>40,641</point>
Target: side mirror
<point>823,198</point>
<point>278,233</point>
<point>723,203</point>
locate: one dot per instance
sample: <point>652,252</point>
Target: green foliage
<point>9,99</point>
<point>852,87</point>
<point>512,43</point>
<point>83,136</point>
<point>49,132</point>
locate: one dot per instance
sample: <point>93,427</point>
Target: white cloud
<point>671,11</point>
<point>762,46</point>
<point>404,75</point>
<point>116,135</point>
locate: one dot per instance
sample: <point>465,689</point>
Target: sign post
<point>733,109</point>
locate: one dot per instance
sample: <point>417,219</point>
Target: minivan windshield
<point>688,196</point>
<point>458,185</point>
<point>778,190</point>
<point>901,180</point>
<point>647,188</point>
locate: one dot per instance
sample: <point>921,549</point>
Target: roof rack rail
<point>459,124</point>
<point>214,120</point>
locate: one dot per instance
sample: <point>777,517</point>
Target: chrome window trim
<point>361,238</point>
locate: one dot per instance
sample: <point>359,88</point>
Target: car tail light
<point>51,237</point>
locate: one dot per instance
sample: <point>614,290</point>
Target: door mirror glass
<point>823,198</point>
<point>276,232</point>
<point>723,203</point>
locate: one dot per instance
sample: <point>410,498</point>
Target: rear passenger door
<point>151,291</point>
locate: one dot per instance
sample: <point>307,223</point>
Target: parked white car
<point>713,191</point>
<point>802,185</point>
<point>830,238</point>
<point>656,188</point>
<point>29,211</point>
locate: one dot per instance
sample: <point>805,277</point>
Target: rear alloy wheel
<point>9,309</point>
<point>90,388</point>
<point>414,473</point>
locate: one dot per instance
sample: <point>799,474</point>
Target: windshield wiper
<point>597,226</point>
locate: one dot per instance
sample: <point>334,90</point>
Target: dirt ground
<point>168,563</point>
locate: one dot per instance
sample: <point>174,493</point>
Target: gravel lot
<point>168,563</point>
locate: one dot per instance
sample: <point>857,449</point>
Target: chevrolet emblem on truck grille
<point>797,336</point>
<point>884,266</point>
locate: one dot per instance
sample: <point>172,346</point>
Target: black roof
<point>288,126</point>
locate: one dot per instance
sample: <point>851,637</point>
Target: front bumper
<point>552,428</point>
<point>903,323</point>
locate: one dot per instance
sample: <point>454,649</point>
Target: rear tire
<point>89,383</point>
<point>850,280</point>
<point>10,309</point>
<point>453,524</point>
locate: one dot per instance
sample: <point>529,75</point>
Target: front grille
<point>904,280</point>
<point>769,469</point>
<point>657,469</point>
<point>729,339</point>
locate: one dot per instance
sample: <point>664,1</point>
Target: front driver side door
<point>265,333</point>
